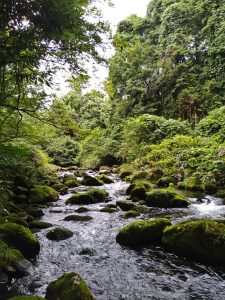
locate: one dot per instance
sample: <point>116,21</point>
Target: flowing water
<point>114,272</point>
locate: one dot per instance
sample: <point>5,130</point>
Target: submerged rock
<point>70,286</point>
<point>21,238</point>
<point>42,194</point>
<point>125,205</point>
<point>165,198</point>
<point>91,181</point>
<point>82,210</point>
<point>58,234</point>
<point>142,232</point>
<point>203,240</point>
<point>78,218</point>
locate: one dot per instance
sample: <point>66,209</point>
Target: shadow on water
<point>115,272</point>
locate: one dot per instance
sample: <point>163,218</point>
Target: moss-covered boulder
<point>39,225</point>
<point>194,183</point>
<point>210,188</point>
<point>99,194</point>
<point>70,286</point>
<point>105,179</point>
<point>78,218</point>
<point>138,192</point>
<point>26,298</point>
<point>81,199</point>
<point>61,188</point>
<point>126,205</point>
<point>165,181</point>
<point>131,214</point>
<point>12,219</point>
<point>12,261</point>
<point>220,194</point>
<point>139,176</point>
<point>142,232</point>
<point>130,188</point>
<point>165,198</point>
<point>203,240</point>
<point>42,194</point>
<point>71,182</point>
<point>109,210</point>
<point>35,212</point>
<point>91,181</point>
<point>21,238</point>
<point>125,174</point>
<point>58,234</point>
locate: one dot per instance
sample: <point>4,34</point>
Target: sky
<point>121,10</point>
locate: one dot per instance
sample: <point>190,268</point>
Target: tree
<point>37,38</point>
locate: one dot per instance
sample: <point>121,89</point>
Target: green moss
<point>139,175</point>
<point>181,185</point>
<point>71,182</point>
<point>91,181</point>
<point>131,214</point>
<point>164,181</point>
<point>210,188</point>
<point>82,210</point>
<point>39,225</point>
<point>203,240</point>
<point>221,194</point>
<point>108,210</point>
<point>35,212</point>
<point>142,232</point>
<point>138,192</point>
<point>70,286</point>
<point>61,188</point>
<point>99,194</point>
<point>21,238</point>
<point>194,183</point>
<point>125,205</point>
<point>81,199</point>
<point>105,179</point>
<point>78,218</point>
<point>125,174</point>
<point>10,219</point>
<point>43,194</point>
<point>165,198</point>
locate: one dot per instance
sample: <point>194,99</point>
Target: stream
<point>115,272</point>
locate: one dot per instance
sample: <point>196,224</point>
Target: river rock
<point>39,225</point>
<point>78,218</point>
<point>82,210</point>
<point>71,182</point>
<point>91,181</point>
<point>94,195</point>
<point>12,219</point>
<point>203,240</point>
<point>70,286</point>
<point>165,198</point>
<point>142,232</point>
<point>58,234</point>
<point>139,192</point>
<point>21,238</point>
<point>108,210</point>
<point>42,194</point>
<point>131,214</point>
<point>105,179</point>
<point>125,205</point>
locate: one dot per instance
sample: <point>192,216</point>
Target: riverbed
<point>115,272</point>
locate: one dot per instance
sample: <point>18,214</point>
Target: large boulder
<point>139,192</point>
<point>203,240</point>
<point>58,234</point>
<point>142,232</point>
<point>71,182</point>
<point>165,198</point>
<point>39,225</point>
<point>91,181</point>
<point>42,194</point>
<point>70,286</point>
<point>21,238</point>
<point>94,195</point>
<point>12,260</point>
